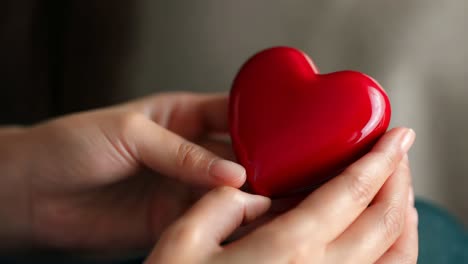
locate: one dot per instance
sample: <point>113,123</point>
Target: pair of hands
<point>123,178</point>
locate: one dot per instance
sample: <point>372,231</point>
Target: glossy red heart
<point>293,128</point>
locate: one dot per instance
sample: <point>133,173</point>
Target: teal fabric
<point>442,240</point>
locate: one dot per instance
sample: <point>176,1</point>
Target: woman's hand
<point>364,215</point>
<point>112,179</point>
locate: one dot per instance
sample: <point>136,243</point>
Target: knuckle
<point>190,155</point>
<point>294,248</point>
<point>393,222</point>
<point>361,187</point>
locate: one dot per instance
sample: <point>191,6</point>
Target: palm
<point>97,197</point>
<point>129,214</point>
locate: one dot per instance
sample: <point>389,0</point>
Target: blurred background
<point>63,56</point>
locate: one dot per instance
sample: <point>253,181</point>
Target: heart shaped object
<point>293,128</point>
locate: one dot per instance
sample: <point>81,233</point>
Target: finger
<point>379,226</point>
<point>277,208</point>
<point>405,249</point>
<point>201,230</point>
<point>402,169</point>
<point>172,155</point>
<point>339,202</point>
<point>411,191</point>
<point>187,114</point>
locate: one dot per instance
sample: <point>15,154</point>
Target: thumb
<point>174,156</point>
<point>199,232</point>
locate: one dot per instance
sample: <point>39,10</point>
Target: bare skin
<point>112,180</point>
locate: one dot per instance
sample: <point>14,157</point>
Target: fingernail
<point>228,171</point>
<point>408,140</point>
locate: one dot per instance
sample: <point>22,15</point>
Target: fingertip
<point>257,205</point>
<point>228,172</point>
<point>401,137</point>
<point>262,201</point>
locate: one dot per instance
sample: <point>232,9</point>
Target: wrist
<point>14,190</point>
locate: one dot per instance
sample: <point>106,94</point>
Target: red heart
<point>293,128</point>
